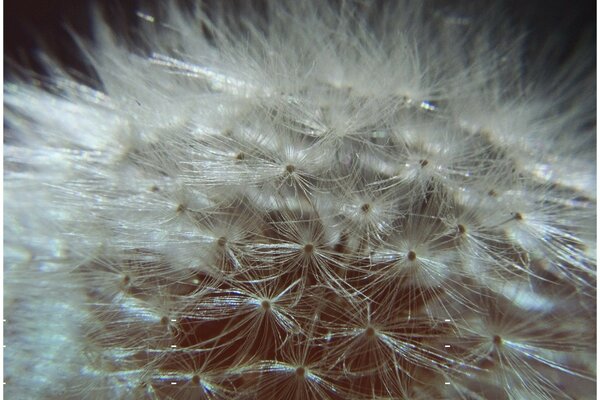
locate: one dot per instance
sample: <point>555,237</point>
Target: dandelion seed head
<point>301,200</point>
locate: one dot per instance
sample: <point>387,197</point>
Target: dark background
<point>569,24</point>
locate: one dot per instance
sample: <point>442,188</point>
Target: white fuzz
<point>311,201</point>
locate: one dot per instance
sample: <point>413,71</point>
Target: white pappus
<point>301,200</point>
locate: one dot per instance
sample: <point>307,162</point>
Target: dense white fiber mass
<point>305,200</point>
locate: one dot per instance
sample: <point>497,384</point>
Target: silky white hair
<point>307,201</point>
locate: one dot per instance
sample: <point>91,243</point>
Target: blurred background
<point>30,25</point>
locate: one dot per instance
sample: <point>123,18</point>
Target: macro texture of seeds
<point>308,202</point>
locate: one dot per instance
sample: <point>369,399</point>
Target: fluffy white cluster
<point>312,202</point>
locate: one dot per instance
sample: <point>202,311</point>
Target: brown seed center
<point>412,256</point>
<point>518,216</point>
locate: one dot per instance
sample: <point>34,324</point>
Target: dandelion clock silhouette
<point>299,200</point>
